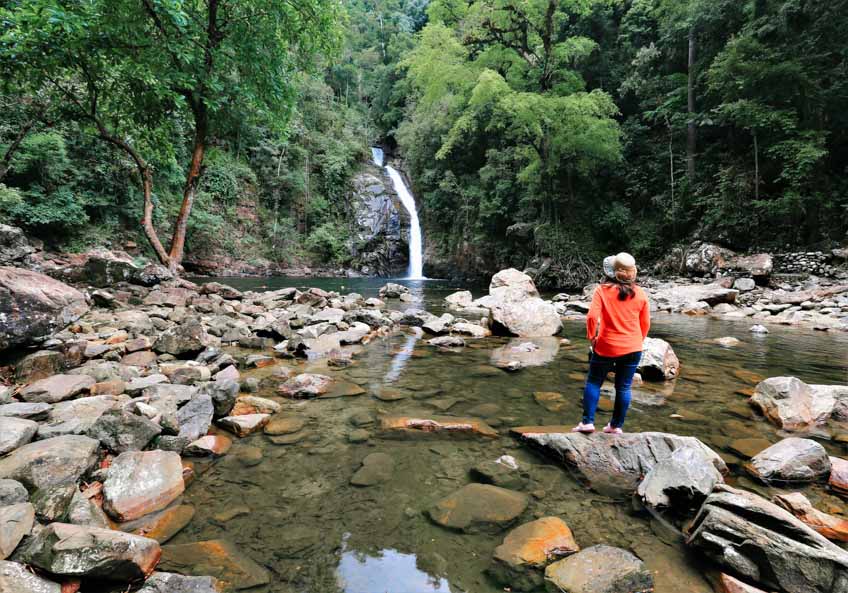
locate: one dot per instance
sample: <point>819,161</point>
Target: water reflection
<point>389,571</point>
<point>400,359</point>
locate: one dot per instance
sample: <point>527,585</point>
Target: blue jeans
<point>599,366</point>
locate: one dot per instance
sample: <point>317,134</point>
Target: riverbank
<point>322,399</point>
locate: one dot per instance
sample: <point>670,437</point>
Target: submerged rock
<point>102,554</point>
<point>477,508</point>
<point>141,482</point>
<point>613,464</point>
<point>520,560</point>
<point>599,569</point>
<point>759,541</point>
<point>165,582</point>
<point>792,460</point>
<point>376,468</point>
<point>435,426</point>
<point>218,558</point>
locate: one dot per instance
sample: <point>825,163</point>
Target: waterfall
<point>416,244</point>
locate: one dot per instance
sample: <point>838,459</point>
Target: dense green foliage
<point>559,128</point>
<point>549,129</point>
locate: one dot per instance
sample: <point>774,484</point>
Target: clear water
<point>416,241</point>
<point>317,533</point>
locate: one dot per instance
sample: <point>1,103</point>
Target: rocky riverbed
<point>129,411</point>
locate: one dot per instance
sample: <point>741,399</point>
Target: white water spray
<point>416,244</point>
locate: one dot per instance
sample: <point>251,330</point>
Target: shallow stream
<point>296,513</point>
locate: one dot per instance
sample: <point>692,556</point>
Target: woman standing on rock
<point>617,324</point>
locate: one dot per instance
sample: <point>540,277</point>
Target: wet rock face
<point>479,508</point>
<point>87,552</point>
<point>613,464</point>
<point>792,460</point>
<point>50,462</point>
<point>17,578</point>
<point>764,544</point>
<point>142,482</point>
<point>380,245</point>
<point>33,306</point>
<point>599,569</point>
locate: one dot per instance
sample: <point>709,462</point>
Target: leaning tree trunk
<point>190,190</point>
<point>6,162</point>
<point>690,108</point>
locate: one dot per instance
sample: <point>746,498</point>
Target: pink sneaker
<point>584,428</point>
<point>610,430</point>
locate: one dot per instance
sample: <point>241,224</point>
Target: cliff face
<point>380,226</point>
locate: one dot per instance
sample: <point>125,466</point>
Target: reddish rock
<point>831,527</point>
<point>251,404</point>
<point>141,482</point>
<point>216,445</point>
<point>477,508</point>
<point>216,558</point>
<point>139,343</point>
<point>141,358</point>
<point>56,388</point>
<point>435,426</point>
<point>728,584</point>
<point>112,387</point>
<point>161,526</point>
<point>280,426</point>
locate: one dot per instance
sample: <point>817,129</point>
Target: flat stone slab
<point>141,482</point>
<point>279,426</point>
<point>218,558</point>
<point>25,410</point>
<point>477,508</point>
<point>434,426</point>
<point>162,525</point>
<point>245,425</point>
<point>56,388</point>
<point>92,553</point>
<point>47,463</point>
<point>612,464</point>
<point>17,578</point>
<point>15,432</point>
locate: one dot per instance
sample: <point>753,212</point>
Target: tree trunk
<point>690,108</point>
<point>6,163</point>
<point>190,190</point>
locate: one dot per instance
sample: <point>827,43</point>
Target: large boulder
<point>705,259</point>
<point>479,508</point>
<point>17,578</point>
<point>14,246</point>
<point>141,482</point>
<point>762,543</point>
<point>791,404</point>
<point>103,268</point>
<point>515,308</point>
<point>659,362</point>
<point>89,552</point>
<point>520,560</point>
<point>613,464</point>
<point>514,283</point>
<point>599,569</point>
<point>51,462</point>
<point>758,265</point>
<point>183,340</point>
<point>679,483</point>
<point>792,460</point>
<point>33,306</point>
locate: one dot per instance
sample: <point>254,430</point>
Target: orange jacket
<point>623,325</point>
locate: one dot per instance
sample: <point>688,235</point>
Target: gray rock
<point>120,430</point>
<point>760,542</point>
<point>83,511</point>
<point>659,362</point>
<point>195,417</point>
<point>14,245</point>
<point>51,504</point>
<point>679,483</point>
<point>50,462</point>
<point>17,578</point>
<point>33,306</point>
<point>39,365</point>
<point>165,582</point>
<point>183,340</point>
<point>77,416</point>
<point>615,464</point>
<point>499,474</point>
<point>447,342</point>
<point>792,460</point>
<point>136,386</point>
<point>56,388</point>
<point>223,394</point>
<point>23,410</point>
<point>16,522</point>
<point>12,492</point>
<point>744,284</point>
<point>15,432</point>
<point>142,482</point>
<point>92,553</point>
<point>599,569</point>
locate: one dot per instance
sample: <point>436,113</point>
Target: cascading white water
<point>416,243</point>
